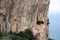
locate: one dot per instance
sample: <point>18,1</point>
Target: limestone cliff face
<point>18,15</point>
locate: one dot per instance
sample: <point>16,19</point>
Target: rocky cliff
<point>19,15</point>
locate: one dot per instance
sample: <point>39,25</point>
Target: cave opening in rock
<point>40,22</point>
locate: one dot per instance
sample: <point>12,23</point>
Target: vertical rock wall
<point>18,15</point>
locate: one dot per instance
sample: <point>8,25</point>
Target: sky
<point>54,19</point>
<point>54,6</point>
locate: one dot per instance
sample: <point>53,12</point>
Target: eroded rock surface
<point>18,15</point>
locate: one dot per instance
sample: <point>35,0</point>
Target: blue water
<point>54,26</point>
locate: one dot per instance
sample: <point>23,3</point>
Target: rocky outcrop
<point>18,15</point>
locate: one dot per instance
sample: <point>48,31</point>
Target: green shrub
<point>26,35</point>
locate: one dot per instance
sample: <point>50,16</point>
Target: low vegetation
<point>26,35</point>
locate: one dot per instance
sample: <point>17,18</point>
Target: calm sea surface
<point>54,26</point>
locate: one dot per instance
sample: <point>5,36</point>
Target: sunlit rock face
<point>18,15</point>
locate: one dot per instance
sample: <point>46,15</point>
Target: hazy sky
<point>54,6</point>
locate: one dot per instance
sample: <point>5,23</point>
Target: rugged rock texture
<point>18,15</point>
